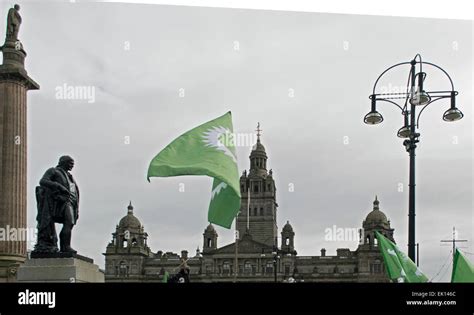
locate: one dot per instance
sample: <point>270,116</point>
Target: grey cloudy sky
<point>315,140</point>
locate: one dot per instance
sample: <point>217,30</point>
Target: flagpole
<point>454,241</point>
<point>248,206</point>
<point>236,267</point>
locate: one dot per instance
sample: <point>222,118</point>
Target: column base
<point>72,269</point>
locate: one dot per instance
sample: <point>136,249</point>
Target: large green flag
<point>400,268</point>
<point>463,269</point>
<point>208,149</point>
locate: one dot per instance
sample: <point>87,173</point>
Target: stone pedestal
<point>14,84</point>
<point>69,269</point>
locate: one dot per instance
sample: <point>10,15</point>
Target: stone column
<point>14,84</point>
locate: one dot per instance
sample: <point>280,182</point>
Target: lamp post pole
<point>275,266</point>
<point>411,147</point>
<point>415,96</point>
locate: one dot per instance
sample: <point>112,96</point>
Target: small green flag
<point>463,269</point>
<point>165,277</point>
<point>400,268</point>
<point>208,149</point>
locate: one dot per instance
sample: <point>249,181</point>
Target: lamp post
<point>415,96</point>
<point>275,261</point>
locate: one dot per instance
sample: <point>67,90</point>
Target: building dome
<point>287,227</point>
<point>129,221</point>
<point>376,217</point>
<point>210,229</point>
<point>258,147</point>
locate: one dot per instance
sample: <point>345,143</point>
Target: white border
<point>452,9</point>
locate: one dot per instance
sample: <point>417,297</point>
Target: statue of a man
<point>13,22</point>
<point>58,202</point>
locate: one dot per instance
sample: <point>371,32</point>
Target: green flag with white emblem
<point>400,268</point>
<point>463,269</point>
<point>206,150</point>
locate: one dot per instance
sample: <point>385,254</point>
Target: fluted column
<point>14,84</point>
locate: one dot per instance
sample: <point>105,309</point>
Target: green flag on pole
<point>206,150</point>
<point>463,269</point>
<point>400,268</point>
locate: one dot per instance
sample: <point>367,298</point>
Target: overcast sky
<point>305,77</point>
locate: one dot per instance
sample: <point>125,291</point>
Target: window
<point>269,187</point>
<point>242,188</point>
<point>287,270</point>
<point>125,244</point>
<point>226,268</point>
<point>261,211</point>
<point>255,212</point>
<point>247,267</point>
<point>123,269</point>
<point>209,242</point>
<point>269,268</point>
<point>376,267</point>
<point>287,241</point>
<point>255,188</point>
<point>134,242</point>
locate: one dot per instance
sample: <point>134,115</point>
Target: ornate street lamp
<point>415,96</point>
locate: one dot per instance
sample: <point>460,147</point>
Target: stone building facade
<point>260,258</point>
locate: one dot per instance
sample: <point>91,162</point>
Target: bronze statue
<point>13,23</point>
<point>58,202</point>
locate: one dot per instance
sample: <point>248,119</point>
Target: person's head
<point>66,162</point>
<point>17,7</point>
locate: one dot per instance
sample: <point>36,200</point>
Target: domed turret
<point>287,227</point>
<point>288,239</point>
<point>130,221</point>
<point>258,157</point>
<point>376,217</point>
<point>376,220</point>
<point>210,239</point>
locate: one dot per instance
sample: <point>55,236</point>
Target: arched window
<point>261,211</point>
<point>287,241</point>
<point>134,242</point>
<point>209,242</point>
<point>123,269</point>
<point>247,267</point>
<point>226,267</point>
<point>125,244</point>
<point>376,243</point>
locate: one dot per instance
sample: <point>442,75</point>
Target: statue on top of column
<point>13,23</point>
